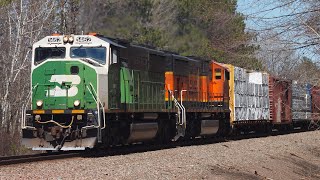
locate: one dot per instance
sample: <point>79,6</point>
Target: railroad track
<point>145,147</point>
<point>128,149</point>
<point>37,157</point>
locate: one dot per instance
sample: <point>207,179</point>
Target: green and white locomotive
<point>67,100</point>
<point>89,90</point>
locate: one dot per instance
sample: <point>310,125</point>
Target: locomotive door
<point>114,86</point>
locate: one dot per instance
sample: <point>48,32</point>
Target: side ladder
<point>180,119</point>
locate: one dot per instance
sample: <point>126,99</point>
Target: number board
<point>54,40</point>
<point>83,40</point>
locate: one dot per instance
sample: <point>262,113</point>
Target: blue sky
<point>262,14</point>
<point>257,12</point>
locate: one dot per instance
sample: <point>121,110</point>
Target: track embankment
<point>291,156</point>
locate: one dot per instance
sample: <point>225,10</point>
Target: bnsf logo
<point>60,79</point>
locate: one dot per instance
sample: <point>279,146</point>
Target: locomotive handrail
<point>97,100</point>
<point>181,95</point>
<point>24,108</point>
<point>181,116</point>
<point>96,103</point>
<point>180,107</point>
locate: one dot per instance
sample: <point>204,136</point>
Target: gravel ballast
<point>293,156</point>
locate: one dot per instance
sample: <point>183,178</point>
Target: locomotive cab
<point>67,105</point>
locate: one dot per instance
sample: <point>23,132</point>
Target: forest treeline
<point>210,29</point>
<point>204,28</point>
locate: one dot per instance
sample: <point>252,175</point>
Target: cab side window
<point>114,56</point>
<point>217,73</point>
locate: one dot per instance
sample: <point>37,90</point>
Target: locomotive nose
<point>61,87</point>
<point>63,107</point>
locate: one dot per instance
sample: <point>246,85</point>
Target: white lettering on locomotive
<point>53,40</point>
<point>83,39</point>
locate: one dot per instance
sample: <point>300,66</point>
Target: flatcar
<point>249,100</point>
<point>90,90</point>
<point>301,104</point>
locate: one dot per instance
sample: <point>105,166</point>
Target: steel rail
<point>136,148</point>
<point>37,157</point>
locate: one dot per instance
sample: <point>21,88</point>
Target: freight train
<point>90,90</point>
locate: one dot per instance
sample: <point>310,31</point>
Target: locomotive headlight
<point>65,39</point>
<point>76,103</point>
<point>39,103</point>
<point>70,39</point>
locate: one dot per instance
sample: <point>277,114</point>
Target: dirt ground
<point>293,156</point>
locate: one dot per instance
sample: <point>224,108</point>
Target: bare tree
<point>278,58</point>
<point>288,30</point>
<point>22,22</point>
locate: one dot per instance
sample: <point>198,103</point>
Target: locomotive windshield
<point>96,53</point>
<point>43,53</point>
